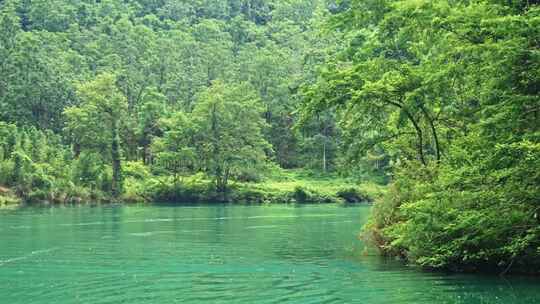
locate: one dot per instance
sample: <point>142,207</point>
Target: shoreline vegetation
<point>450,91</point>
<point>292,187</point>
<point>8,198</point>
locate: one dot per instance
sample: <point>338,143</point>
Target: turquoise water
<point>217,254</point>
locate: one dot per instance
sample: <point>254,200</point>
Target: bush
<point>133,190</point>
<point>7,197</point>
<point>477,211</point>
<point>248,176</point>
<point>87,170</point>
<point>38,196</point>
<point>136,170</point>
<point>166,191</point>
<point>303,195</point>
<point>351,195</point>
<point>300,194</point>
<point>6,169</point>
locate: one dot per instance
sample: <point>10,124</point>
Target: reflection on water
<point>218,254</point>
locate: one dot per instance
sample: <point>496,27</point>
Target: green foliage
<point>87,170</point>
<point>229,140</point>
<point>7,198</point>
<point>352,195</point>
<point>447,93</point>
<point>174,151</point>
<point>128,85</point>
<point>112,78</point>
<point>95,124</point>
<point>275,189</point>
<point>301,195</point>
<point>477,214</point>
<point>37,169</point>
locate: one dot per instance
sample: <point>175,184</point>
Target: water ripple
<point>24,257</point>
<point>217,254</point>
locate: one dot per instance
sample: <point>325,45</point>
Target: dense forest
<point>291,101</point>
<point>163,100</point>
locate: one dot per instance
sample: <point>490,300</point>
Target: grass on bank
<point>8,198</point>
<point>318,188</point>
<point>141,185</point>
<point>282,186</point>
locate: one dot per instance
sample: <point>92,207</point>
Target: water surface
<point>218,254</point>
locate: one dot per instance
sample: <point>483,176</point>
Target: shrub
<point>6,169</point>
<point>351,195</point>
<point>478,214</point>
<point>136,170</point>
<point>300,194</point>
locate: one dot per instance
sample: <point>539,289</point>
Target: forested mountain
<point>163,55</point>
<point>177,87</point>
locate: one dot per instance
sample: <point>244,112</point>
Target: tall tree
<point>96,122</point>
<point>230,124</point>
<point>175,150</point>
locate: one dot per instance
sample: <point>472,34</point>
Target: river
<point>218,254</point>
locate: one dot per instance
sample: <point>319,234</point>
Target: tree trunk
<point>420,138</point>
<point>434,132</point>
<point>116,186</point>
<point>216,151</point>
<point>76,150</point>
<point>324,155</point>
<point>417,128</point>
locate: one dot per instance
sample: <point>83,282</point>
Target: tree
<point>150,112</point>
<point>96,122</point>
<point>175,150</point>
<point>228,119</point>
<point>34,86</point>
<point>319,142</point>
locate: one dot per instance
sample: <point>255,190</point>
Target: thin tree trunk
<point>218,167</point>
<point>324,156</point>
<point>420,137</point>
<point>417,128</point>
<point>76,150</point>
<point>434,132</point>
<point>116,186</point>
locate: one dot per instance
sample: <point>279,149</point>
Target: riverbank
<point>8,198</point>
<point>290,186</point>
<point>443,219</point>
